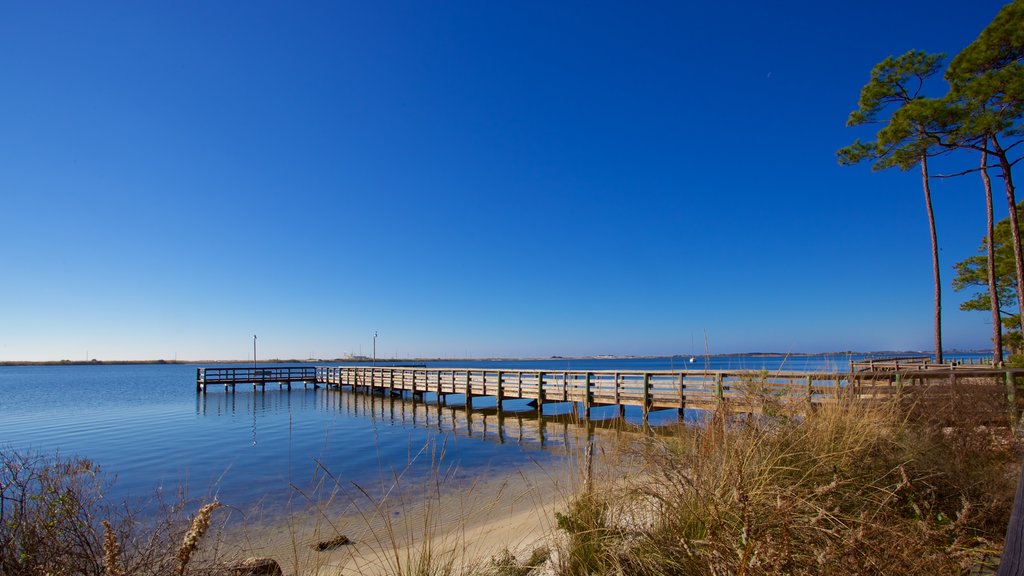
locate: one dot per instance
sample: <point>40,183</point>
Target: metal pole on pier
<point>374,347</point>
<point>254,358</point>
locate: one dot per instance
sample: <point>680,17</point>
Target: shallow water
<point>147,425</point>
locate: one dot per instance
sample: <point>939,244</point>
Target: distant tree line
<point>979,116</point>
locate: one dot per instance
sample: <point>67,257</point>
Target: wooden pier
<point>742,391</point>
<point>232,376</point>
<point>897,363</point>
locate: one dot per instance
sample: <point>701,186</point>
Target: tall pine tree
<point>907,137</point>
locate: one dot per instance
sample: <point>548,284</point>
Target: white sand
<point>465,526</point>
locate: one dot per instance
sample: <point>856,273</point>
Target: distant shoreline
<point>363,360</point>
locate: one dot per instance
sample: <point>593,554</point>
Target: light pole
<point>253,355</point>
<point>374,347</point>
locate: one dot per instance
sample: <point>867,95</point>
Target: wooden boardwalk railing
<point>897,363</point>
<point>231,376</point>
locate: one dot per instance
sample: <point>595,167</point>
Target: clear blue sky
<point>467,178</point>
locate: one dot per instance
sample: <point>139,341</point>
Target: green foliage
<point>586,523</point>
<point>972,272</point>
<point>988,75</point>
<point>1015,361</point>
<point>909,133</point>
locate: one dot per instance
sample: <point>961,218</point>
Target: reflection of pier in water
<point>524,427</point>
<point>558,428</point>
<point>264,401</point>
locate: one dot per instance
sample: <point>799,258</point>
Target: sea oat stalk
<point>200,524</point>
<point>111,551</point>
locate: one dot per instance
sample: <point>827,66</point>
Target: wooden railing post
<point>810,393</point>
<point>1011,397</point>
<point>500,392</point>
<point>719,392</point>
<point>540,392</point>
<point>646,405</point>
<point>682,394</point>
<point>587,398</point>
<point>617,401</point>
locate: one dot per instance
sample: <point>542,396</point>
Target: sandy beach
<point>462,524</point>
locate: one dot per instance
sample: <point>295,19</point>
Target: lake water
<point>146,425</point>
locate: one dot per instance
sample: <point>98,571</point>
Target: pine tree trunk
<point>1011,199</point>
<point>993,295</point>
<point>935,259</point>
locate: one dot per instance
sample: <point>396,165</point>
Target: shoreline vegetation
<point>364,360</point>
<point>922,484</point>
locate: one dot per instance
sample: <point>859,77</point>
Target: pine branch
<point>964,173</point>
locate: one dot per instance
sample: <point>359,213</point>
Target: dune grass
<point>849,488</point>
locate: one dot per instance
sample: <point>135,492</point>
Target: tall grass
<point>847,489</point>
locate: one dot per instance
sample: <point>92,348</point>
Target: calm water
<point>147,425</point>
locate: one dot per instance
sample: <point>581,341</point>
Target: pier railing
<point>897,363</point>
<point>257,376</point>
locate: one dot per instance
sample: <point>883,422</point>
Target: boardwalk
<point>745,391</point>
